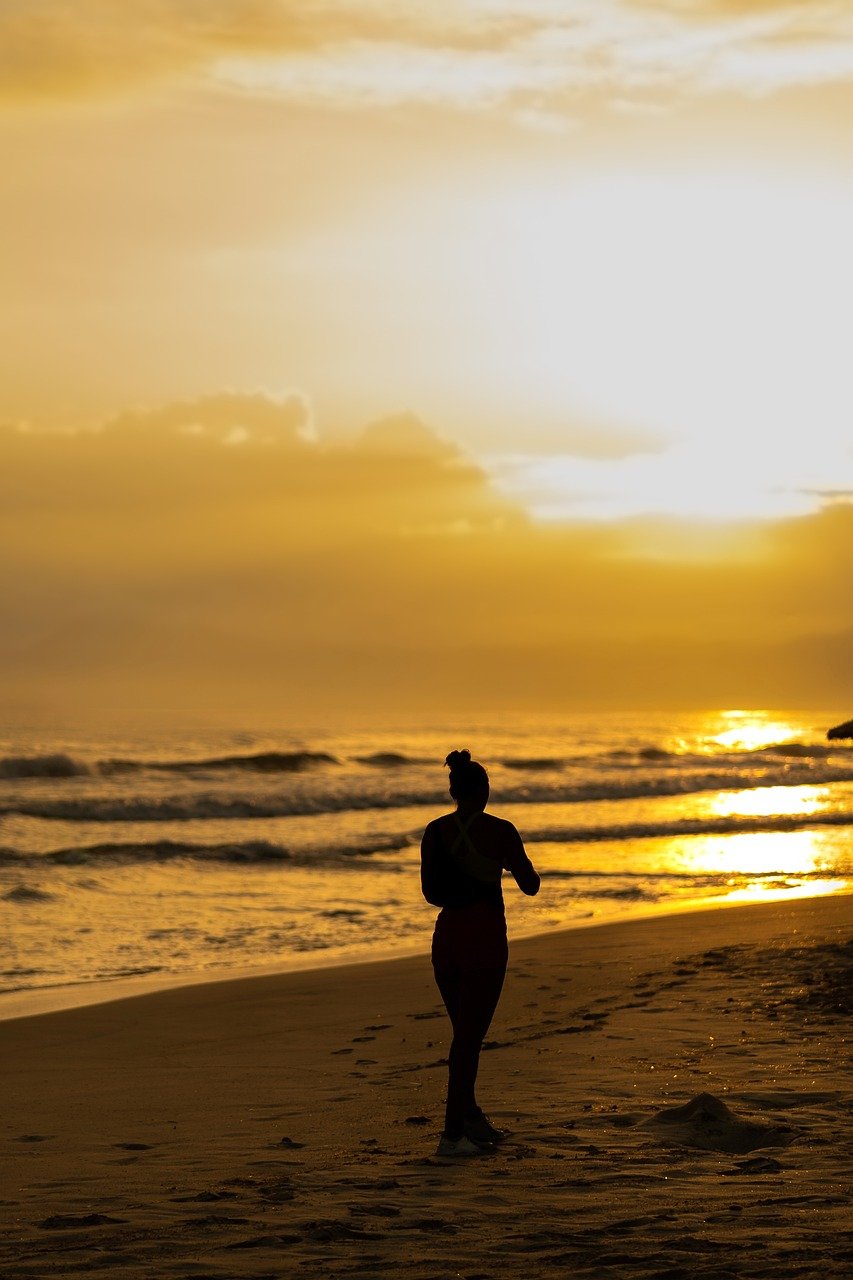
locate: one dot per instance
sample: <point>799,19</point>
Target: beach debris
<point>417,1120</point>
<point>289,1142</point>
<point>707,1123</point>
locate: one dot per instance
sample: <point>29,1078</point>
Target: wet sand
<point>677,1091</point>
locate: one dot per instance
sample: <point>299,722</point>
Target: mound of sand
<point>707,1123</point>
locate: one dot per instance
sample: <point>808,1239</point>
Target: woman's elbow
<point>432,894</point>
<point>533,885</point>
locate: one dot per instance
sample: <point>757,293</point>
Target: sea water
<point>208,851</point>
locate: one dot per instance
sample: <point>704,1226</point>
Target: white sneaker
<point>460,1147</point>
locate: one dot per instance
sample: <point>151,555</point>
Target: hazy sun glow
<point>684,304</point>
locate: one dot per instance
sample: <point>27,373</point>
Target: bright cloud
<point>461,53</point>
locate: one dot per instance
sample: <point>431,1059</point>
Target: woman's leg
<point>471,996</point>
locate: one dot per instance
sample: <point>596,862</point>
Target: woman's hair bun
<point>457,758</point>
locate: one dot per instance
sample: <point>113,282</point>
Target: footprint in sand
<point>68,1221</point>
<point>377,1184</point>
<point>280,1194</point>
<point>758,1164</point>
<point>263,1242</point>
<point>205,1197</point>
<point>375,1210</point>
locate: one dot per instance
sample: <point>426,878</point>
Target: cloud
<point>247,461</point>
<point>158,567</point>
<point>56,48</point>
<point>530,56</point>
<point>404,435</point>
<point>229,417</point>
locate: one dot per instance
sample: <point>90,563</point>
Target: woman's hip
<point>470,938</point>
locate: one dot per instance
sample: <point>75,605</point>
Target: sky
<point>494,351</point>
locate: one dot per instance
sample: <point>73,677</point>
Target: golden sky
<point>601,247</point>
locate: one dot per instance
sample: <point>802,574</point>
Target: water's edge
<point>47,1000</point>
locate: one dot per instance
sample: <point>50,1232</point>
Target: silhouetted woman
<point>463,855</point>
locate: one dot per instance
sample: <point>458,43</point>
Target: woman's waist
<point>488,910</point>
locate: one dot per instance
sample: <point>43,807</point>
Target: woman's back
<point>463,855</point>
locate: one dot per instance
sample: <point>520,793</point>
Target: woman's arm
<point>432,881</point>
<point>519,865</point>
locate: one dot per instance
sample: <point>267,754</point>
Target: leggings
<point>469,957</point>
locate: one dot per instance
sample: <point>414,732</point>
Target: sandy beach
<point>677,1092</point>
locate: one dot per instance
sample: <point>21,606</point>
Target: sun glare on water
<point>749,731</point>
<point>766,801</point>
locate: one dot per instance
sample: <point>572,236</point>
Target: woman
<point>463,855</point>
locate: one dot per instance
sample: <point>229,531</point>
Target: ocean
<point>169,855</point>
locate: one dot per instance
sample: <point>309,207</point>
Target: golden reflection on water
<point>754,853</point>
<point>766,801</point>
<point>773,892</point>
<point>751,730</point>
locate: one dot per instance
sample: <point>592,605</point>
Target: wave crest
<point>257,762</point>
<point>56,765</point>
<point>240,851</point>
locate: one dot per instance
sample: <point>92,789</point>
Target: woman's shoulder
<point>501,825</point>
<point>442,818</point>
<point>436,824</point>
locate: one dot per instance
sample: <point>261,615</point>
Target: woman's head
<point>469,782</point>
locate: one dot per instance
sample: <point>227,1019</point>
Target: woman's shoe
<point>480,1129</point>
<point>463,1146</point>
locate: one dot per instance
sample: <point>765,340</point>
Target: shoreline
<point>82,995</point>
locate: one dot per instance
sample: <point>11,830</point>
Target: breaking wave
<point>57,765</point>
<point>534,763</point>
<point>707,826</point>
<point>62,765</point>
<point>351,796</point>
<point>257,762</point>
<point>26,893</point>
<point>388,760</point>
<point>242,851</point>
